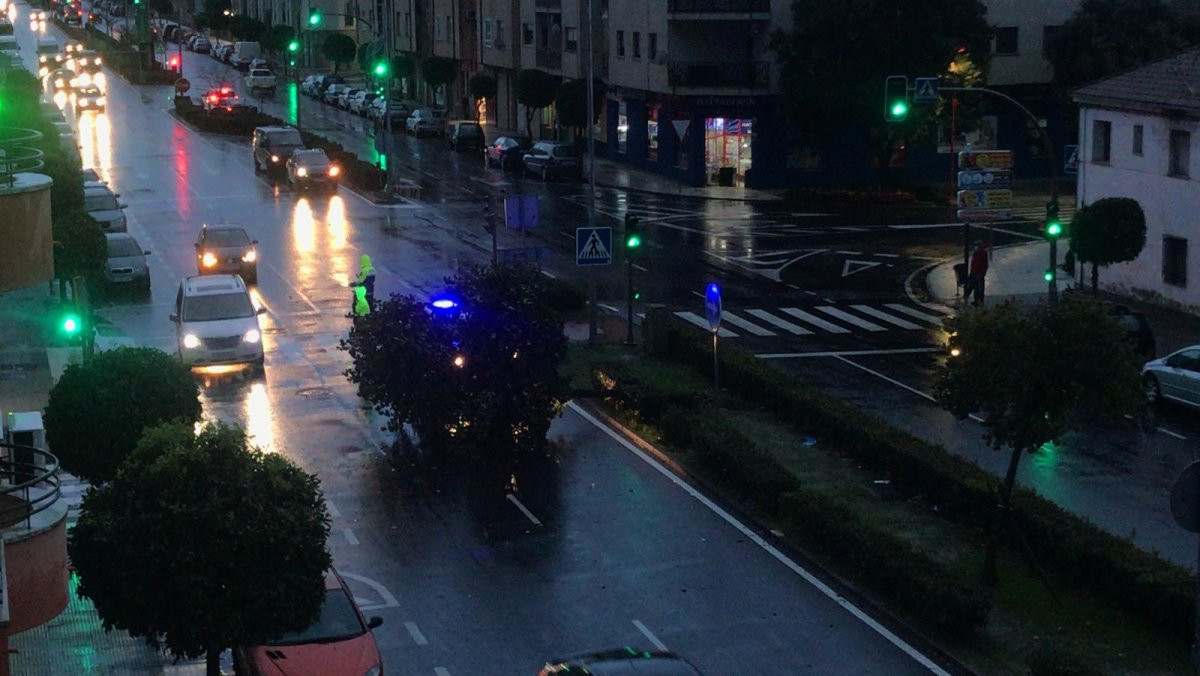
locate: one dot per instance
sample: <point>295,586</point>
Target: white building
<point>1138,136</point>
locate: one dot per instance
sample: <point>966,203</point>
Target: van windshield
<point>289,137</point>
<point>217,306</point>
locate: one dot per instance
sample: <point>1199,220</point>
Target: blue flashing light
<point>445,304</point>
<point>713,288</point>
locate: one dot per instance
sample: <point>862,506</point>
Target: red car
<point>220,98</point>
<point>339,642</point>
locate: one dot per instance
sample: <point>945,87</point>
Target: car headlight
<point>250,256</point>
<point>191,342</point>
<point>99,101</point>
<point>208,260</point>
<point>252,336</point>
<point>58,83</point>
<point>301,172</point>
<point>274,158</point>
<point>373,671</point>
<point>335,170</point>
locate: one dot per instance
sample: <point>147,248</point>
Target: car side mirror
<point>122,205</point>
<point>146,252</point>
<point>261,311</point>
<point>374,622</point>
<point>175,318</point>
<point>254,241</point>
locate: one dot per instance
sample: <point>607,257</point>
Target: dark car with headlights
<point>311,168</point>
<point>227,248</point>
<point>272,146</point>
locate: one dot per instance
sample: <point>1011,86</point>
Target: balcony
<point>549,58</point>
<point>716,74</point>
<point>722,8</point>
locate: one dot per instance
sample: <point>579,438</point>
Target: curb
<point>845,588</point>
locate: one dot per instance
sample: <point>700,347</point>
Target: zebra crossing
<point>824,319</point>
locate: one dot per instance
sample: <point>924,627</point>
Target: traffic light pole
<point>591,195</point>
<point>629,300</point>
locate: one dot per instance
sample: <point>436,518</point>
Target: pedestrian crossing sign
<point>926,90</point>
<point>593,246</point>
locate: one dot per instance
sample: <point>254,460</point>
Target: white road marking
<point>639,268</point>
<point>650,636</point>
<point>441,671</point>
<point>1169,433</point>
<point>849,318</point>
<point>897,383</point>
<point>780,323</point>
<point>849,253</point>
<point>389,601</point>
<point>745,325</point>
<point>333,510</point>
<point>696,319</point>
<point>924,226</point>
<point>350,536</point>
<point>814,320</point>
<point>913,312</point>
<point>524,510</point>
<point>879,314</point>
<point>825,589</point>
<point>313,310</point>
<point>415,633</point>
<point>846,353</point>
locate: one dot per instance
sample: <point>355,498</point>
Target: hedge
<point>726,457</point>
<point>1074,549</point>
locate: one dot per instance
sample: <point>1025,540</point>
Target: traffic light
<point>70,324</point>
<point>173,62</point>
<point>381,68</point>
<point>633,232</point>
<point>294,46</point>
<point>1048,275</point>
<point>314,16</point>
<point>1054,226</point>
<point>895,98</point>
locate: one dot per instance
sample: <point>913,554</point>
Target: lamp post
<point>591,199</point>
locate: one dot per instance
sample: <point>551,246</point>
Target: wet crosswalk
<point>825,319</point>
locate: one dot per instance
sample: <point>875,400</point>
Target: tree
<point>1029,374</point>
<point>80,248</point>
<point>97,410</point>
<point>339,49</point>
<point>535,90</point>
<point>276,39</point>
<point>480,384</point>
<point>246,29</point>
<point>835,60</point>
<point>402,66</point>
<point>163,8</point>
<point>1109,230</point>
<point>571,102</point>
<point>201,543</point>
<point>481,86</point>
<point>438,71</point>
<point>1104,37</point>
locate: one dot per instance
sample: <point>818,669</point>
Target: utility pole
<point>389,186</point>
<point>591,199</point>
<point>296,66</point>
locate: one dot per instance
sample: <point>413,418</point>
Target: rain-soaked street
<point>603,549</point>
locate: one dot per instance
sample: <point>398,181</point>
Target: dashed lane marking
<point>650,636</point>
<point>415,633</point>
<point>524,510</point>
<point>333,510</point>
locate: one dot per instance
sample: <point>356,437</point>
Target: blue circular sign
<point>712,306</point>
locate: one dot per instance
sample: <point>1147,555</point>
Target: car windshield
<point>310,158</point>
<point>217,306</point>
<point>565,151</point>
<point>290,137</point>
<point>470,130</point>
<point>120,248</point>
<point>103,202</point>
<point>338,621</point>
<point>260,73</point>
<point>224,237</point>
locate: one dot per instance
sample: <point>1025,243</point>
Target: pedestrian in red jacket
<point>979,268</point>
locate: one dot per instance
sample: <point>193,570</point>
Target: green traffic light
<point>70,324</point>
<point>633,241</point>
<point>381,68</point>
<point>294,46</point>
<point>899,110</point>
<point>1054,229</point>
<point>314,17</point>
<point>1048,275</point>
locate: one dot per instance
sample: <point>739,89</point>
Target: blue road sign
<point>521,212</point>
<point>593,246</point>
<point>925,90</point>
<point>1071,159</point>
<point>712,306</point>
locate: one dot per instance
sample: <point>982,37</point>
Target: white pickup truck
<point>260,78</point>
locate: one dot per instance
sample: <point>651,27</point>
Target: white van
<point>9,45</point>
<point>243,53</point>
<point>216,322</point>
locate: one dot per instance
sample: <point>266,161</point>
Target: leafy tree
<point>79,246</point>
<point>835,60</point>
<point>276,39</point>
<point>535,90</point>
<point>402,66</point>
<point>213,16</point>
<point>339,49</point>
<point>246,29</point>
<point>1105,37</point>
<point>201,543</point>
<point>571,103</point>
<point>97,410</point>
<point>1109,230</point>
<point>481,384</point>
<point>1029,374</point>
<point>438,71</point>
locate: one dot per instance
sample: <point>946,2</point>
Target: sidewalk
<point>1016,271</point>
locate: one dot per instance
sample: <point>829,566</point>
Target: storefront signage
<point>725,101</point>
<point>985,159</point>
<point>985,199</point>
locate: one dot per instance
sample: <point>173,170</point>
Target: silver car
<point>1175,377</point>
<point>127,262</point>
<point>311,167</point>
<point>333,92</point>
<point>101,204</point>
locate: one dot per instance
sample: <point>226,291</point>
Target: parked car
<point>339,642</point>
<point>326,82</point>
<point>311,168</point>
<point>272,146</point>
<point>308,84</point>
<point>101,204</point>
<point>227,249</point>
<point>343,99</point>
<point>548,159</point>
<point>126,262</point>
<point>506,152</point>
<point>224,53</point>
<point>259,63</point>
<point>397,110</point>
<point>260,79</point>
<point>361,101</point>
<point>466,136</point>
<point>1175,377</point>
<point>426,121</point>
<point>201,45</point>
<point>168,32</point>
<point>216,322</point>
<point>333,92</point>
<point>6,26</point>
<point>1138,335</point>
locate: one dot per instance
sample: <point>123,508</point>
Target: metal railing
<point>15,155</point>
<point>733,74</point>
<point>718,6</point>
<point>29,483</point>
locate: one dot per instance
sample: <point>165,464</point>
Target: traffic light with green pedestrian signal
<point>633,232</point>
<point>895,98</point>
<point>294,46</point>
<point>381,68</point>
<point>1054,226</point>
<point>70,324</point>
<point>314,16</point>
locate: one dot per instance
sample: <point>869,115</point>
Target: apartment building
<point>500,58</point>
<point>359,20</point>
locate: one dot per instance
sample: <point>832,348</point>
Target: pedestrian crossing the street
<point>824,319</point>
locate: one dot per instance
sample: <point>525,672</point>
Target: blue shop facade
<point>746,141</point>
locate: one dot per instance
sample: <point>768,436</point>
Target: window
<point>498,42</point>
<point>439,29</point>
<point>637,45</point>
<point>622,125</point>
<point>1101,140</point>
<point>1137,139</point>
<point>526,34</point>
<point>621,44</point>
<point>408,23</point>
<point>652,46</point>
<point>1174,267</point>
<point>487,32</point>
<point>1051,35</point>
<point>1005,40</point>
<point>572,36</point>
<point>348,19</point>
<point>1181,155</point>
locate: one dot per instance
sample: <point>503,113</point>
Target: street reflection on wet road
<point>95,140</point>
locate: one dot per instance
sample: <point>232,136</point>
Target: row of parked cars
<point>416,120</point>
